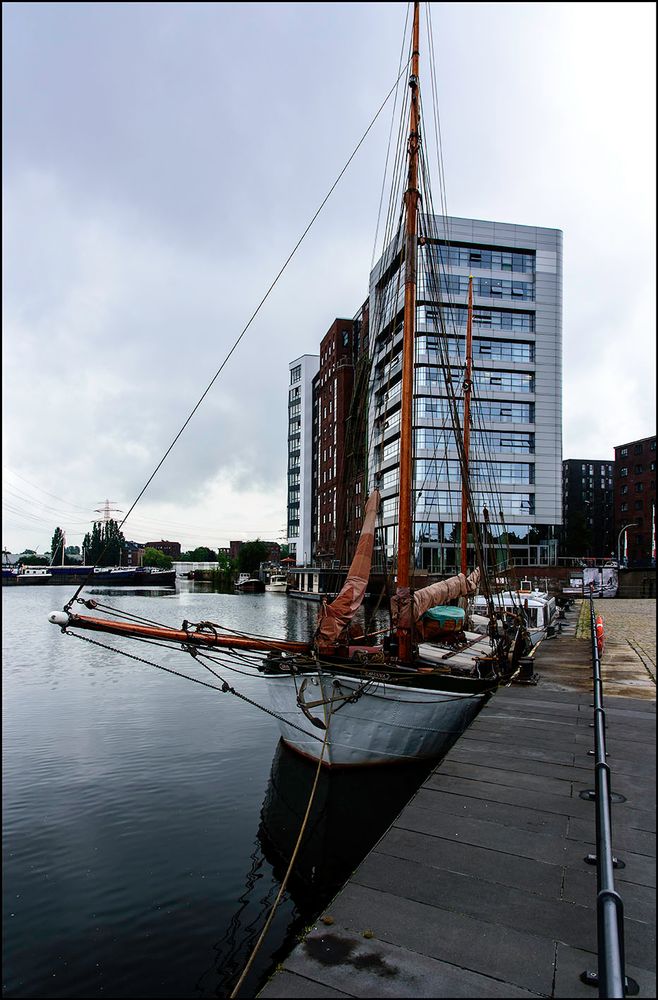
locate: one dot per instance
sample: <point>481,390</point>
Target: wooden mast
<point>468,385</point>
<point>410,279</point>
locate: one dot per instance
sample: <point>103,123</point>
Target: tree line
<point>105,545</point>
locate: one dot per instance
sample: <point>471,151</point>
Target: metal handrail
<point>609,907</point>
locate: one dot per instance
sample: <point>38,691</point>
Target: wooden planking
<point>480,888</point>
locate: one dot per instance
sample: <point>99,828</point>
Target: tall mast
<point>467,422</point>
<point>411,253</point>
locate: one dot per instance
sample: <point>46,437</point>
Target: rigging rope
<point>225,688</point>
<point>249,322</point>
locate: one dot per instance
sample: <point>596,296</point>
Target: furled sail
<point>435,594</point>
<point>335,617</point>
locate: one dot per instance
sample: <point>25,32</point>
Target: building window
<point>638,469</point>
<point>623,453</point>
<point>624,508</point>
<point>498,350</point>
<point>639,487</point>
<point>624,489</point>
<point>295,374</point>
<point>491,260</point>
<point>623,472</point>
<point>456,284</point>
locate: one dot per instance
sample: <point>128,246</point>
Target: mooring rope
<point>284,883</point>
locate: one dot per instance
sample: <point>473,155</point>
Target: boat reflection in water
<point>351,810</point>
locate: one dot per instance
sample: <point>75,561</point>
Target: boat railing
<point>611,976</point>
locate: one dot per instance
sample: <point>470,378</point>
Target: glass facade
<point>483,319</point>
<point>496,350</point>
<point>436,407</point>
<point>494,381</point>
<point>502,288</point>
<point>507,445</point>
<point>440,439</point>
<point>481,259</point>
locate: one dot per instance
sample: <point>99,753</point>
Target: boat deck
<point>480,888</point>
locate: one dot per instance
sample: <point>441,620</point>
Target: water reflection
<point>351,810</point>
<point>130,591</point>
<point>147,820</point>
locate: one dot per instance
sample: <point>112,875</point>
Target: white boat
<point>33,574</point>
<point>278,584</point>
<point>248,584</point>
<point>538,608</point>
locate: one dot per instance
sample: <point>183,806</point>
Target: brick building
<point>273,550</point>
<point>635,499</point>
<point>338,440</point>
<point>167,548</point>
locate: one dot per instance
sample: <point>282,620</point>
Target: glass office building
<point>516,436</point>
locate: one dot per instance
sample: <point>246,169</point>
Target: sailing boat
<point>348,699</point>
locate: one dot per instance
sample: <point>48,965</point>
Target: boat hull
<point>307,595</point>
<point>133,578</point>
<point>28,579</point>
<point>383,725</point>
<point>250,587</point>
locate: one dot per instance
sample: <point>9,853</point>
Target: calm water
<point>147,821</point>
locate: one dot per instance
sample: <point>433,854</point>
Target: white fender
<point>60,618</point>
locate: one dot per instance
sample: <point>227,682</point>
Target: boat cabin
<point>313,583</point>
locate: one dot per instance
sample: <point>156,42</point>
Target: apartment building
<point>588,508</point>
<point>338,440</point>
<point>516,436</point>
<point>300,457</point>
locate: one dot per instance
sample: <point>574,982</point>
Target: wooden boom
<point>67,620</point>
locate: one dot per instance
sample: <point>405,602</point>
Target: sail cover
<point>335,617</point>
<point>435,594</point>
<point>445,590</point>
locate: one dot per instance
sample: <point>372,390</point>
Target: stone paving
<point>626,621</point>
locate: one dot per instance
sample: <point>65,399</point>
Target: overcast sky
<point>161,161</point>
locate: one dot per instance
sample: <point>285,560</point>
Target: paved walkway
<point>627,621</point>
<point>628,666</point>
<point>479,888</point>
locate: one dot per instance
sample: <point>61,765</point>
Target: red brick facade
<point>167,548</point>
<point>635,498</point>
<point>337,451</point>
